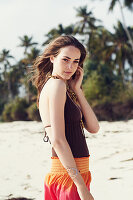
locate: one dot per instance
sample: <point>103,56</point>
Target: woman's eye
<point>65,59</point>
<point>68,60</point>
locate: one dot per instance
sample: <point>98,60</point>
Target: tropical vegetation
<point>108,77</point>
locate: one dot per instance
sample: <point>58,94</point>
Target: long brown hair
<point>43,67</point>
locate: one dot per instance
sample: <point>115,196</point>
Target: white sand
<point>25,159</point>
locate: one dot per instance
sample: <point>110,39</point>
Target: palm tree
<point>121,48</point>
<point>60,30</point>
<point>4,58</point>
<point>99,44</point>
<point>86,24</point>
<point>113,49</point>
<point>31,56</point>
<point>126,3</point>
<point>87,20</point>
<point>28,61</point>
<point>26,42</point>
<point>129,5</point>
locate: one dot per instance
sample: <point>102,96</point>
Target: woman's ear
<point>52,59</point>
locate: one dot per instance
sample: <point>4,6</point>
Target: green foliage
<point>3,94</point>
<point>33,112</point>
<point>102,85</point>
<point>15,110</point>
<point>26,42</point>
<point>89,67</point>
<point>20,110</point>
<point>32,89</point>
<point>1,107</point>
<point>6,115</point>
<point>126,94</point>
<point>90,87</point>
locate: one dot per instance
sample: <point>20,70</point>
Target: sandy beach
<point>25,159</point>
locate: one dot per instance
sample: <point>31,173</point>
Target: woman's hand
<point>75,83</point>
<point>84,193</point>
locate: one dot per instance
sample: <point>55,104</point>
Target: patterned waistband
<point>82,165</point>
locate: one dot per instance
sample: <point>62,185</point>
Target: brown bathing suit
<point>74,131</point>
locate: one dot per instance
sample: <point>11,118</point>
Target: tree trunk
<point>9,88</point>
<point>127,32</point>
<point>125,27</point>
<point>28,94</point>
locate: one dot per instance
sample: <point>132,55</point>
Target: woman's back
<point>44,102</point>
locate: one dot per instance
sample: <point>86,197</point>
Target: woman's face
<point>66,62</point>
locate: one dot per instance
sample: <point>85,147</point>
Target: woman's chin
<point>67,76</point>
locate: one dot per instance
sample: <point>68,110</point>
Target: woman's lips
<point>68,72</point>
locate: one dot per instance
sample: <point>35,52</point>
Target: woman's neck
<point>57,76</point>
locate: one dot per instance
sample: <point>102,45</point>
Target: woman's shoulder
<point>57,81</point>
<point>57,92</point>
<point>54,87</point>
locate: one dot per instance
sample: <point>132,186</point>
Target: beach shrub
<point>1,107</point>
<point>33,112</point>
<point>89,67</point>
<point>19,109</point>
<point>15,110</point>
<point>102,86</point>
<point>6,114</point>
<point>126,94</point>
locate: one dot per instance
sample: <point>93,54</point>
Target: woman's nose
<point>69,65</point>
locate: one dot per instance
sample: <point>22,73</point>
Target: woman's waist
<point>79,149</point>
<point>82,165</point>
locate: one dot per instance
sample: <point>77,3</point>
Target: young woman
<point>64,110</point>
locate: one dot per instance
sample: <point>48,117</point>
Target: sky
<point>36,17</point>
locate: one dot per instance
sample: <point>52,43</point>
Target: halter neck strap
<point>55,77</point>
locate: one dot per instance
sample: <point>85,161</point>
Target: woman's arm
<point>91,123</point>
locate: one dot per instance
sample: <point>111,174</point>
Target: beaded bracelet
<point>75,170</point>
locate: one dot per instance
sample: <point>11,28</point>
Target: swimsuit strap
<point>55,77</point>
<point>47,126</point>
<point>46,138</point>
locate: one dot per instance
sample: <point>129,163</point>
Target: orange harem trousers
<point>58,185</point>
